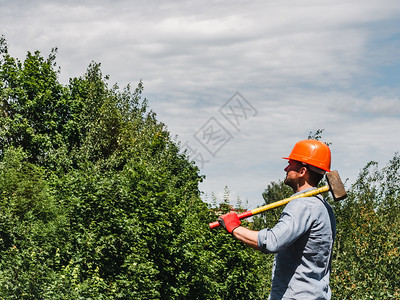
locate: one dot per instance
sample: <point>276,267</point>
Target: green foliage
<point>31,227</point>
<point>96,200</point>
<point>245,273</point>
<point>367,257</point>
<point>32,106</point>
<point>317,135</point>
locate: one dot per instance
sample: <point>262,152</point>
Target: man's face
<point>292,173</point>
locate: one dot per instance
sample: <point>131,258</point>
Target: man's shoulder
<point>307,202</point>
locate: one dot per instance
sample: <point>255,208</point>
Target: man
<point>303,238</point>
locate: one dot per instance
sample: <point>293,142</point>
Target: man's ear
<point>302,171</point>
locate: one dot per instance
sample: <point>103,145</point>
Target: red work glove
<point>229,221</point>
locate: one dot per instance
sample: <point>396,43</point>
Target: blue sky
<point>298,66</point>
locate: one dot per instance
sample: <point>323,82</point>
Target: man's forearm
<point>247,236</point>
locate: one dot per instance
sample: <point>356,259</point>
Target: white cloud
<point>384,106</point>
<point>304,65</point>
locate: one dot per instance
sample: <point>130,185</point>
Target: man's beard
<point>289,182</point>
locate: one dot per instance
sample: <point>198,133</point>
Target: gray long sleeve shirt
<point>303,242</point>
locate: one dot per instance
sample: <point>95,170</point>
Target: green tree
<point>97,200</point>
<point>32,105</point>
<point>241,272</point>
<point>32,228</point>
<point>367,258</point>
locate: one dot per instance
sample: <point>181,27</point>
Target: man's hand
<point>229,221</point>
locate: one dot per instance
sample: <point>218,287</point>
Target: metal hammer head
<point>336,185</point>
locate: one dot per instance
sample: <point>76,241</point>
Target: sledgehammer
<point>335,186</point>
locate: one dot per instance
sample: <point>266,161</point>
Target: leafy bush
<point>98,202</point>
<point>367,257</point>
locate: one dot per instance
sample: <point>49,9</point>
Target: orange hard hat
<point>312,152</point>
